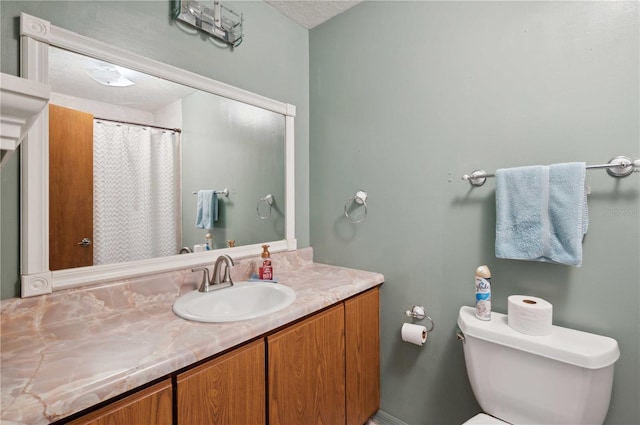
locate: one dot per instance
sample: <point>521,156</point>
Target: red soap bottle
<point>265,269</point>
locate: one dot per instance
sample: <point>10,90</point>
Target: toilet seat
<point>484,419</point>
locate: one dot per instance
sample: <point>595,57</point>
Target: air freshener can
<point>483,293</point>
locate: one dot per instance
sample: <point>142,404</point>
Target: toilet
<point>562,378</point>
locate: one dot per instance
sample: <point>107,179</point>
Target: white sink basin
<point>242,301</point>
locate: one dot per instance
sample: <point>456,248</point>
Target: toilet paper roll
<point>414,334</point>
<point>529,315</point>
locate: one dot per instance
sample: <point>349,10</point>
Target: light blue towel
<point>541,213</point>
<point>207,209</point>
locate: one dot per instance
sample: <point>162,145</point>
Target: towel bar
<point>224,192</point>
<point>619,166</point>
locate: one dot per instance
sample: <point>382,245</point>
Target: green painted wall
<point>272,61</point>
<point>244,154</point>
<point>406,97</point>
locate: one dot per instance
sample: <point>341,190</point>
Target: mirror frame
<point>36,35</point>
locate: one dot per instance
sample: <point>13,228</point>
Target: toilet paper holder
<point>418,312</point>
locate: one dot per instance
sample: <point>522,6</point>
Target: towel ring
<point>359,198</point>
<point>268,200</point>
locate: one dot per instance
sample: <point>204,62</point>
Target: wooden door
<point>306,371</point>
<point>362,336</point>
<point>70,188</point>
<point>151,406</point>
<point>227,390</point>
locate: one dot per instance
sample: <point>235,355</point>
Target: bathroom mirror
<point>225,144</point>
<point>146,177</point>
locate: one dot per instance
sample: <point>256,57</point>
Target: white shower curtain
<point>136,192</point>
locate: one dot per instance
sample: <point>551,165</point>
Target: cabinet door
<point>151,406</point>
<point>227,390</point>
<point>362,336</point>
<point>307,371</point>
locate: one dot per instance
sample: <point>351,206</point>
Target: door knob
<point>85,242</point>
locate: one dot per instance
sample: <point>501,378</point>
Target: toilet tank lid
<point>571,346</point>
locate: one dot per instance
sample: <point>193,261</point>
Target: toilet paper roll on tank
<point>529,315</point>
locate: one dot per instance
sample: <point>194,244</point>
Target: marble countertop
<point>67,351</point>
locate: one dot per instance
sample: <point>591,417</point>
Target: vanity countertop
<point>67,351</point>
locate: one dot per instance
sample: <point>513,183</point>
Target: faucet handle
<point>204,286</point>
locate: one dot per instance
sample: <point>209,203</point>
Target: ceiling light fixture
<point>109,75</point>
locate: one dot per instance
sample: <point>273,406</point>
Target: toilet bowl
<point>562,378</point>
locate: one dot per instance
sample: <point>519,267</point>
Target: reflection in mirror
<point>38,37</point>
<point>123,192</point>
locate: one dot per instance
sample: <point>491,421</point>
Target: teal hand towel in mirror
<point>207,209</point>
<point>541,213</point>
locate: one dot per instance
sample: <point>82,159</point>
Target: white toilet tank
<point>562,378</point>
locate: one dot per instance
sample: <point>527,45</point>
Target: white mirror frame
<point>36,35</point>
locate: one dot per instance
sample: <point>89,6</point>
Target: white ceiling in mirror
<point>69,74</point>
<point>311,13</point>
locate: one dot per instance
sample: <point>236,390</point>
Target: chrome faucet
<point>214,282</point>
<point>226,278</point>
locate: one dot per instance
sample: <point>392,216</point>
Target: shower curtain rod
<point>177,130</point>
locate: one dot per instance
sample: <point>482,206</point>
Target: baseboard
<point>383,418</point>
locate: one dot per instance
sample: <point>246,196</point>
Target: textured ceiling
<point>68,74</point>
<point>311,13</point>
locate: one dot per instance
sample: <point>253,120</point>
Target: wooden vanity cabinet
<point>229,389</point>
<point>362,337</point>
<point>307,371</point>
<point>152,405</point>
<point>326,368</point>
